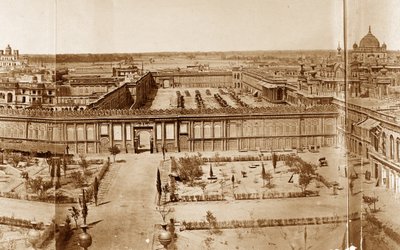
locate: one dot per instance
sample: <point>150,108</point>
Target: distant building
<point>10,59</point>
<point>369,50</point>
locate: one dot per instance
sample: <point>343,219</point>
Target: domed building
<point>369,50</point>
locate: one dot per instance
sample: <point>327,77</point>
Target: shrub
<point>78,178</point>
<point>190,168</point>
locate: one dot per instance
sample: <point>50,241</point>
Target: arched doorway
<point>143,140</point>
<point>9,97</point>
<point>279,94</point>
<point>166,83</point>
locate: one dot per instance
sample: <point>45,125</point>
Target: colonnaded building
<point>307,109</point>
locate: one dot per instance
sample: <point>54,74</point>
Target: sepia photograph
<point>204,125</point>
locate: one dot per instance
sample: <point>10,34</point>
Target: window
<point>391,147</point>
<point>207,131</point>
<point>183,128</point>
<point>104,129</point>
<point>197,131</point>
<point>117,129</point>
<point>217,131</point>
<point>159,132</point>
<point>169,131</point>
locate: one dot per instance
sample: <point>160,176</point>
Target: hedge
<point>192,198</point>
<point>202,225</point>
<point>11,221</point>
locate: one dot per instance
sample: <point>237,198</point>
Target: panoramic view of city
<point>182,124</point>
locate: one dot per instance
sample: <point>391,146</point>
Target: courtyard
<point>168,98</point>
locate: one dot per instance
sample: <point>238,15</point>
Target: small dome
<point>384,45</point>
<point>369,41</point>
<point>355,46</point>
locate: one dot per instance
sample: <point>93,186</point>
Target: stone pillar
<point>76,138</point>
<point>85,137</point>
<point>27,130</point>
<point>154,134</point>
<point>202,135</point>
<point>162,133</point>
<point>176,128</point>
<point>111,133</point>
<point>123,132</point>
<point>96,138</point>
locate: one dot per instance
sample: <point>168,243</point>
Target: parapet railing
<point>90,113</point>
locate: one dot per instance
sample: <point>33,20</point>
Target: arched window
<point>197,131</point>
<point>398,149</point>
<point>217,131</point>
<point>207,131</point>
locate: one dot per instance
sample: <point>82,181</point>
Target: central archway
<point>143,139</point>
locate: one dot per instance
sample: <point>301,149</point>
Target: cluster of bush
<point>235,158</point>
<point>202,225</point>
<point>199,100</point>
<point>180,100</point>
<point>211,197</point>
<point>237,99</point>
<point>247,196</point>
<point>394,235</point>
<point>11,221</point>
<point>45,197</point>
<point>221,101</point>
<point>277,195</point>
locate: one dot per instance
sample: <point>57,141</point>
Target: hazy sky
<point>94,26</point>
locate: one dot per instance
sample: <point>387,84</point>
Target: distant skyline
<point>119,26</point>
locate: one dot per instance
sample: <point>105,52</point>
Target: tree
<point>370,200</point>
<point>268,177</point>
<point>158,185</point>
<point>263,174</point>
<point>211,171</point>
<point>114,150</point>
<point>212,222</point>
<point>274,160</point>
<point>190,168</point>
<point>75,214</point>
<point>95,189</point>
<point>304,181</point>
<point>83,162</point>
<point>38,185</point>
<point>15,159</point>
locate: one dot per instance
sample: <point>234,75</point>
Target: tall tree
<point>211,171</point>
<point>274,160</point>
<point>263,174</point>
<point>95,189</point>
<point>158,184</point>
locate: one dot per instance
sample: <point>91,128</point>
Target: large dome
<point>369,41</point>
